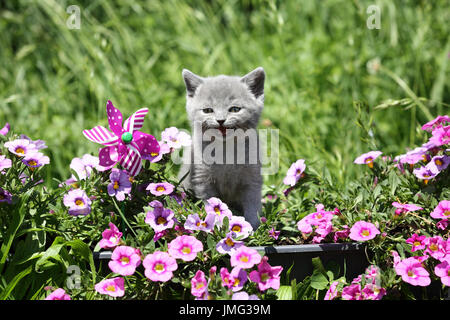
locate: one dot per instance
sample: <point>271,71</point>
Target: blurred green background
<point>319,57</point>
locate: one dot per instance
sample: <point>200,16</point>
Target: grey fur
<point>238,184</point>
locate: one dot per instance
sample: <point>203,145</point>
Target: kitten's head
<point>225,102</point>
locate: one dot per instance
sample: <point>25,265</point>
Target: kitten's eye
<point>208,110</point>
<point>234,109</point>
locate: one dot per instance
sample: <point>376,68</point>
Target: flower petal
<point>114,118</point>
<point>135,121</point>
<point>100,134</point>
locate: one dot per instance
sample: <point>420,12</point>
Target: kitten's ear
<point>255,81</point>
<point>192,81</point>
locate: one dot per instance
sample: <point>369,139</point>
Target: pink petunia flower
<point>111,237</point>
<point>266,276</point>
<point>233,280</point>
<point>341,234</point>
<point>113,287</point>
<point>176,139</point>
<point>373,292</point>
<point>20,147</point>
<point>295,173</point>
<point>194,222</point>
<point>58,294</point>
<point>5,129</point>
<point>332,291</point>
<point>442,210</point>
<point>438,121</point>
<point>199,284</point>
<point>124,260</point>
<point>216,206</point>
<point>161,188</point>
<point>159,266</point>
<point>440,136</point>
<point>35,159</point>
<point>5,163</point>
<point>367,158</point>
<point>228,244</point>
<point>185,247</point>
<point>242,295</point>
<point>403,208</point>
<point>352,292</point>
<point>436,247</point>
<point>240,227</point>
<point>156,156</point>
<point>244,257</point>
<point>363,231</point>
<point>442,270</point>
<point>412,272</point>
<point>417,242</point>
<point>78,202</point>
<point>160,219</point>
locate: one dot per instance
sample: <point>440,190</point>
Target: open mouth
<point>223,131</point>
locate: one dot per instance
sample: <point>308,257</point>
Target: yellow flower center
<point>236,228</point>
<point>111,288</point>
<point>369,162</point>
<point>217,210</point>
<point>32,163</point>
<point>417,243</point>
<point>365,233</point>
<point>186,250</point>
<point>79,202</point>
<point>159,267</point>
<point>125,260</point>
<point>116,185</point>
<point>160,189</point>
<point>424,157</point>
<point>264,277</point>
<point>161,220</point>
<point>410,273</point>
<point>433,247</point>
<point>236,282</point>
<point>319,216</point>
<point>154,154</point>
<point>199,285</point>
<point>447,213</point>
<point>20,150</point>
<point>229,242</point>
<point>243,258</point>
<point>438,162</point>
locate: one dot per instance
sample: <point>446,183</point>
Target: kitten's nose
<point>221,122</point>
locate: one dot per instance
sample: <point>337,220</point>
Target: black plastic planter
<point>350,257</point>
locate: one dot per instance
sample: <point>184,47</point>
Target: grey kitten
<point>225,110</point>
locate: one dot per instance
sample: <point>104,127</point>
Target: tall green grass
<point>54,82</point>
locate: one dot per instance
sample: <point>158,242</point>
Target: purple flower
<point>160,188</point>
<point>216,206</point>
<point>266,276</point>
<point>120,184</point>
<point>438,121</point>
<point>39,144</point>
<point>194,222</point>
<point>441,136</point>
<point>5,129</point>
<point>294,173</point>
<point>233,280</point>
<point>78,202</point>
<point>20,147</point>
<point>228,244</point>
<point>367,158</point>
<point>83,166</point>
<point>35,159</point>
<point>160,219</point>
<point>157,156</point>
<point>242,295</point>
<point>175,139</point>
<point>438,163</point>
<point>424,173</point>
<point>5,163</point>
<point>273,233</point>
<point>5,196</point>
<point>240,227</point>
<point>403,208</point>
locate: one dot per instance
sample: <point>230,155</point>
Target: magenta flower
<point>58,294</point>
<point>159,266</point>
<point>194,222</point>
<point>417,242</point>
<point>161,188</point>
<point>233,280</point>
<point>319,221</point>
<point>216,206</point>
<point>240,227</point>
<point>442,270</point>
<point>352,292</point>
<point>35,159</point>
<point>442,210</point>
<point>436,247</point>
<point>175,139</point>
<point>266,276</point>
<point>441,136</point>
<point>20,147</point>
<point>124,260</point>
<point>295,173</point>
<point>157,156</point>
<point>403,208</point>
<point>123,144</point>
<point>332,291</point>
<point>78,202</point>
<point>228,244</point>
<point>5,129</point>
<point>160,219</point>
<point>185,247</point>
<point>341,234</point>
<point>363,231</point>
<point>412,272</point>
<point>113,287</point>
<point>442,225</point>
<point>367,158</point>
<point>199,285</point>
<point>244,257</point>
<point>111,237</point>
<point>274,234</point>
<point>5,196</point>
<point>5,163</point>
<point>438,121</point>
<point>120,184</point>
<point>373,292</point>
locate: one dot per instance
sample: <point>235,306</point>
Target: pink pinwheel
<point>125,144</point>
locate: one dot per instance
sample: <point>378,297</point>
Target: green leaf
<point>284,293</point>
<point>319,280</point>
<point>12,284</point>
